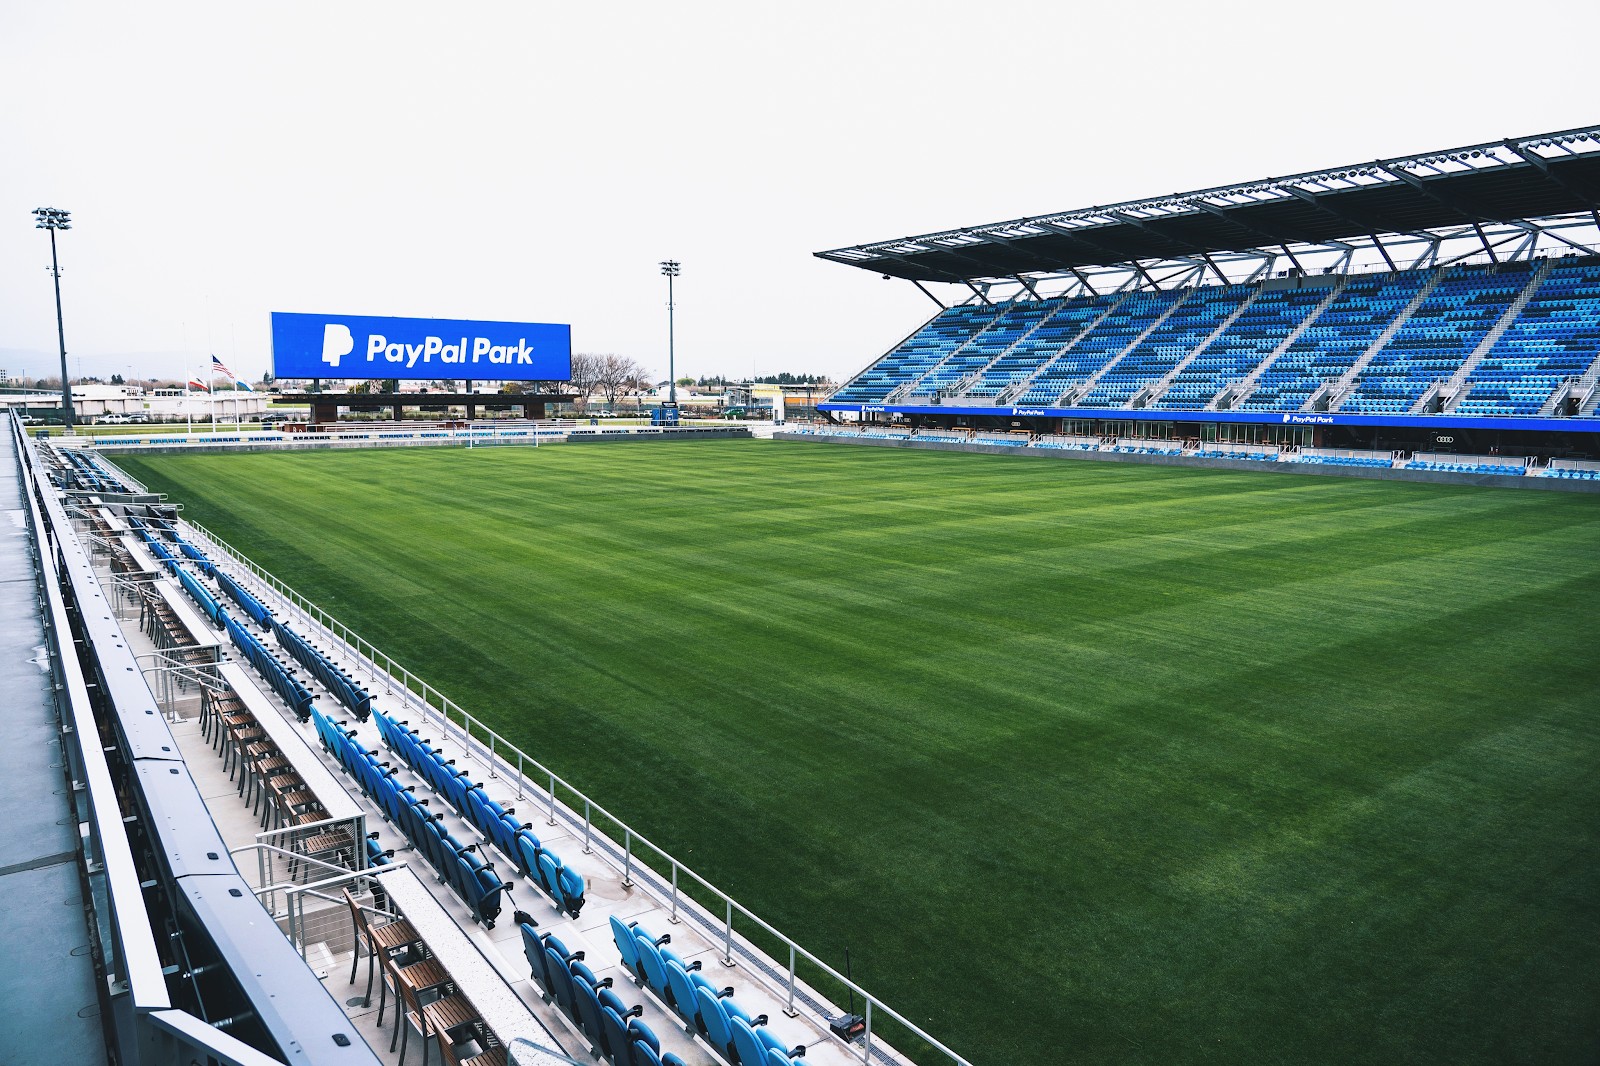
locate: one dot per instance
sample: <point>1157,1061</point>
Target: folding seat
<point>377,855</point>
<point>527,851</point>
<point>589,1016</point>
<point>645,1046</point>
<point>437,847</point>
<point>533,950</point>
<point>503,828</point>
<point>714,1021</point>
<point>568,887</point>
<point>753,1044</point>
<point>483,886</point>
<point>473,809</point>
<point>683,999</point>
<point>623,936</point>
<point>618,1038</point>
<point>454,784</point>
<point>557,963</point>
<point>655,973</point>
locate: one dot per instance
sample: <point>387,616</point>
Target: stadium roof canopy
<point>1495,193</point>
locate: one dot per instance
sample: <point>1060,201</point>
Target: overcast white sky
<point>534,161</point>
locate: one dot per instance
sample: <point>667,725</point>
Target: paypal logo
<point>336,343</point>
<point>314,346</point>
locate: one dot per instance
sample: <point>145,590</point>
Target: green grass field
<point>1085,762</point>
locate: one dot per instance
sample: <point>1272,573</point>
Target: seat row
<point>704,1009</point>
<point>247,603</point>
<point>469,876</point>
<point>465,871</point>
<point>1343,460</point>
<point>1467,468</point>
<point>335,680</point>
<point>272,669</point>
<point>616,1031</point>
<point>498,824</point>
<point>85,472</point>
<point>202,597</point>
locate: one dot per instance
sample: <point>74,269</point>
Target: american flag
<point>217,367</point>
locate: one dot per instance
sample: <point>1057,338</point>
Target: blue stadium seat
<point>627,946</point>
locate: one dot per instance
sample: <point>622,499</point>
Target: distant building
<point>174,405</point>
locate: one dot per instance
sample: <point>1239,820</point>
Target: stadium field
<point>1085,762</point>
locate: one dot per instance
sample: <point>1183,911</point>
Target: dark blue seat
<point>645,1046</point>
<point>557,962</point>
<point>619,1038</point>
<point>533,950</point>
<point>481,887</point>
<point>590,1018</point>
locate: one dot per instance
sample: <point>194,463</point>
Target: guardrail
<point>689,896</point>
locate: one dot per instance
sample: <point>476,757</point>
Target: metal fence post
<point>519,773</point>
<point>866,1047</point>
<point>627,857</point>
<point>727,938</point>
<point>586,806</point>
<point>295,909</point>
<point>552,799</point>
<point>789,1007</point>
<point>672,919</point>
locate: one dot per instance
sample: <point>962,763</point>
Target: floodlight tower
<point>671,268</point>
<point>52,219</point>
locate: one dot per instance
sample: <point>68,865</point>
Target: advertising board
<point>361,346</point>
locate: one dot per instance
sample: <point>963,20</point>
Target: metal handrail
<point>498,751</point>
<point>259,848</point>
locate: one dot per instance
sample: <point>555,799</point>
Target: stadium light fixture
<point>52,219</point>
<point>671,268</point>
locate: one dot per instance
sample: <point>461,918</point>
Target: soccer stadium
<point>1176,651</point>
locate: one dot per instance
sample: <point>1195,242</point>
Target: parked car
<point>112,420</point>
